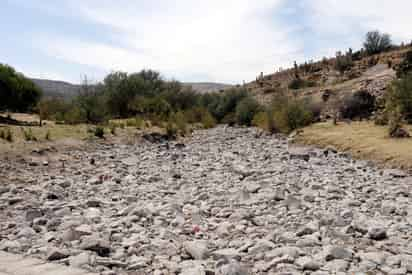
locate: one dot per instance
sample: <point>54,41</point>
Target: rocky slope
<point>227,201</point>
<point>371,73</point>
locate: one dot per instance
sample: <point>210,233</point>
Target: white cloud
<point>226,41</point>
<point>353,16</point>
<point>219,40</point>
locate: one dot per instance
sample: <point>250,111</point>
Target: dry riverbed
<point>226,201</point>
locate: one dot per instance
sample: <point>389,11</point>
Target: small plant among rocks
<point>99,132</point>
<point>113,129</point>
<point>9,135</point>
<point>395,126</point>
<point>28,135</point>
<point>47,136</point>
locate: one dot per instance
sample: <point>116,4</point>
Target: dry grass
<point>61,136</point>
<point>363,140</point>
<point>58,134</point>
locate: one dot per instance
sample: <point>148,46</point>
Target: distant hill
<point>207,87</point>
<point>53,88</point>
<point>61,89</point>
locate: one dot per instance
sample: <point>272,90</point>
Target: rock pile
<point>226,202</point>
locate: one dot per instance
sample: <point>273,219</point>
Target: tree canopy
<point>17,93</point>
<point>377,42</point>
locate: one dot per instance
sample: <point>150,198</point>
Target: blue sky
<point>215,40</point>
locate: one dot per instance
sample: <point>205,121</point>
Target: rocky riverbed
<point>227,201</point>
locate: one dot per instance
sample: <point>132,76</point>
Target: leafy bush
<point>224,104</point>
<point>343,62</point>
<point>359,105</point>
<point>179,121</point>
<point>265,120</point>
<point>155,106</point>
<point>207,120</point>
<point>376,42</point>
<point>406,66</point>
<point>99,132</point>
<point>73,116</point>
<point>91,103</point>
<point>395,125</point>
<point>229,119</point>
<point>299,83</point>
<point>246,110</point>
<point>290,114</point>
<point>200,115</point>
<point>399,97</point>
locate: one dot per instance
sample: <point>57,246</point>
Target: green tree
<point>376,42</point>
<point>90,102</point>
<point>17,93</point>
<point>246,110</point>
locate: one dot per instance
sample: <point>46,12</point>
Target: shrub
<point>293,116</point>
<point>91,105</point>
<point>376,42</point>
<point>343,62</point>
<point>224,105</point>
<point>8,135</point>
<point>113,129</point>
<point>381,119</point>
<point>359,105</point>
<point>200,115</point>
<point>48,135</point>
<point>290,114</point>
<point>229,119</point>
<point>137,122</point>
<point>28,134</point>
<point>264,120</point>
<point>246,110</point>
<point>406,66</point>
<point>399,97</point>
<point>99,132</point>
<point>395,125</point>
<point>179,121</point>
<point>299,83</point>
<point>73,116</point>
<point>296,84</point>
<point>171,130</point>
<point>315,109</point>
<point>207,120</point>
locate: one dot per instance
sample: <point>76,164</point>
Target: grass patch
<point>363,140</point>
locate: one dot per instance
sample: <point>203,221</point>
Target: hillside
<point>370,73</point>
<point>207,87</point>
<point>61,89</point>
